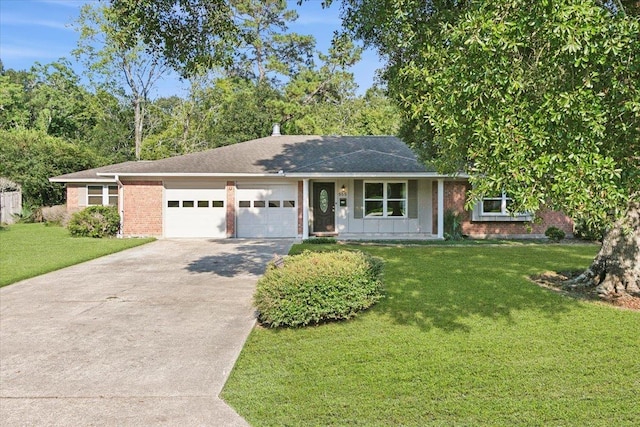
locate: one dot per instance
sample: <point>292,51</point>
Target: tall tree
<point>267,49</point>
<point>331,82</point>
<point>117,59</point>
<point>540,100</point>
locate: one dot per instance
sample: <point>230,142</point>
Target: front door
<point>324,218</point>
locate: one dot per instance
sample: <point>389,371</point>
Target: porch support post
<point>441,209</point>
<point>305,209</point>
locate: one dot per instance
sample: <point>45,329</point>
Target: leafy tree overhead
<point>540,100</point>
<point>191,35</point>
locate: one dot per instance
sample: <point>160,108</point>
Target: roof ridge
<point>390,154</point>
<point>327,160</point>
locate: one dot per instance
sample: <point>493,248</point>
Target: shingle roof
<point>296,154</point>
<point>92,174</point>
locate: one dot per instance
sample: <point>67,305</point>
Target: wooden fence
<point>10,204</point>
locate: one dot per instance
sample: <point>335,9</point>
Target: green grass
<point>28,250</point>
<point>463,338</point>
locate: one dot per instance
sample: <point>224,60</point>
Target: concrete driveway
<point>143,337</point>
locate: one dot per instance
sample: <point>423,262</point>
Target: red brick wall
<point>73,198</point>
<point>231,208</point>
<point>454,199</point>
<point>142,204</point>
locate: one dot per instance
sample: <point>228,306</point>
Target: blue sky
<point>39,31</point>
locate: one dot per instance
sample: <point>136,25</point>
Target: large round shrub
<point>95,221</point>
<point>316,287</point>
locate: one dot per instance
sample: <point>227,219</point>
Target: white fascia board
<point>285,175</point>
<point>83,180</point>
<point>191,175</point>
<point>376,175</point>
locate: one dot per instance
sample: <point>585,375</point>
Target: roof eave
<point>81,180</point>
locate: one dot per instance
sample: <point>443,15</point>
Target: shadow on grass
<point>231,258</point>
<point>446,288</point>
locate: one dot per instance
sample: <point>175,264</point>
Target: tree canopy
<point>540,100</point>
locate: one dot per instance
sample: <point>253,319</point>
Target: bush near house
<point>95,221</point>
<point>311,288</point>
<point>554,234</point>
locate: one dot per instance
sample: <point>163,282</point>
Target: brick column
<point>73,197</point>
<point>142,208</point>
<point>231,208</point>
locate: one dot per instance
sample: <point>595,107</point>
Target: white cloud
<point>72,4</point>
<point>17,52</point>
<point>9,19</point>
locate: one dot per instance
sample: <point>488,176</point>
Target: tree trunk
<point>137,125</point>
<point>616,268</point>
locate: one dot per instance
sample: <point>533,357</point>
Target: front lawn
<point>28,250</point>
<point>462,338</point>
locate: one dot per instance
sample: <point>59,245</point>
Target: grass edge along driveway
<point>29,250</point>
<point>462,338</point>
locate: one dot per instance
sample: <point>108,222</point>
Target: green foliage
<point>531,98</point>
<point>95,221</point>
<point>554,234</point>
<point>31,157</point>
<point>588,231</point>
<point>191,35</point>
<point>118,59</point>
<point>452,225</point>
<point>321,241</point>
<point>25,216</point>
<point>311,288</point>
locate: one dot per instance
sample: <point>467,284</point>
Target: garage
<point>266,210</point>
<point>193,209</point>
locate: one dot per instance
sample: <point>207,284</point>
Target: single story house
<point>352,187</point>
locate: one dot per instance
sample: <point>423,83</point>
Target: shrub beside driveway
<point>28,250</point>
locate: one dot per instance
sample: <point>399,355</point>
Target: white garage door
<point>267,210</point>
<point>195,212</point>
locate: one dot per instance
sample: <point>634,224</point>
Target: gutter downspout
<point>305,209</point>
<point>441,209</point>
<point>120,234</point>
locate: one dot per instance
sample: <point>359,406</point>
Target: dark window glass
<point>396,190</point>
<point>492,205</point>
<point>373,208</point>
<point>373,190</point>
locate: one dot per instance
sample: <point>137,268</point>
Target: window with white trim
<point>102,195</point>
<point>497,209</point>
<point>384,199</point>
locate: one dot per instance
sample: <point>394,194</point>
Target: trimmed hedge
<point>315,287</point>
<point>95,221</point>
